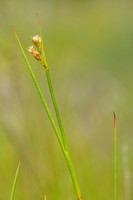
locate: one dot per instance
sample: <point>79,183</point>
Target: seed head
<point>31,49</point>
<point>37,55</point>
<point>37,41</point>
<point>37,51</point>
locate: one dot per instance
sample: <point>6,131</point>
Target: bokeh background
<point>89,48</point>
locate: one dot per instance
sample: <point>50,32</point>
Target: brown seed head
<point>37,41</point>
<point>37,55</point>
<point>36,52</point>
<point>31,49</point>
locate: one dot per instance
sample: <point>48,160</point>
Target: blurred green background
<point>89,48</point>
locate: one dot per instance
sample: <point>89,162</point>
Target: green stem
<point>73,175</point>
<point>66,155</point>
<point>56,109</point>
<point>15,181</point>
<point>43,52</point>
<point>115,160</point>
<point>51,90</point>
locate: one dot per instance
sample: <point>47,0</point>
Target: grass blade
<point>68,160</point>
<point>15,181</point>
<point>40,93</point>
<point>115,160</point>
<point>52,91</point>
<point>56,109</point>
<point>43,51</point>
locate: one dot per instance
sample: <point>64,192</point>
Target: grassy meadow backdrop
<point>89,48</point>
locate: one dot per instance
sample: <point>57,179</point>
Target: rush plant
<point>39,54</point>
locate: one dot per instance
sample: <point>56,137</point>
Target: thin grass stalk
<point>40,93</point>
<point>52,91</point>
<point>66,155</point>
<point>56,109</point>
<point>115,160</point>
<point>15,181</point>
<point>43,51</point>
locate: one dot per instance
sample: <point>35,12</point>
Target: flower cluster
<point>36,52</point>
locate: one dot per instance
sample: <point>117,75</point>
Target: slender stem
<point>51,90</point>
<point>41,94</point>
<point>56,109</point>
<point>43,52</point>
<point>66,155</point>
<point>15,181</point>
<point>73,175</point>
<point>115,160</point>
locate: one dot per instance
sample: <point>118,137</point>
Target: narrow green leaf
<point>43,51</point>
<point>52,91</point>
<point>66,155</point>
<point>115,160</point>
<point>41,94</point>
<point>15,181</point>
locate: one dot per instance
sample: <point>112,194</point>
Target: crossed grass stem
<point>51,89</point>
<point>61,139</point>
<point>115,168</point>
<point>39,54</point>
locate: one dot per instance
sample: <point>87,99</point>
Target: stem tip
<point>13,30</point>
<point>19,162</point>
<point>114,119</point>
<point>38,18</point>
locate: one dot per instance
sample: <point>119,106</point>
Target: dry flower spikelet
<point>37,41</point>
<point>36,53</point>
<point>31,49</point>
